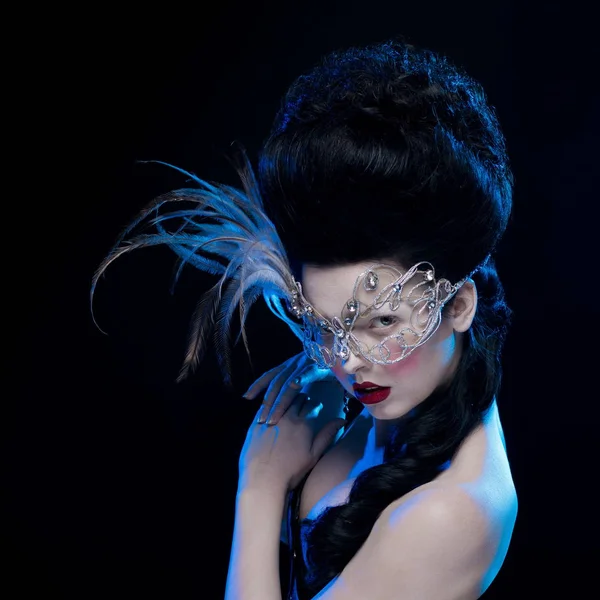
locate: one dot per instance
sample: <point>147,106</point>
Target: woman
<point>380,196</point>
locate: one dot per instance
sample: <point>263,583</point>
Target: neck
<point>380,433</point>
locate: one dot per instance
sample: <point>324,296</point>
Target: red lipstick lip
<point>374,397</point>
<point>365,384</point>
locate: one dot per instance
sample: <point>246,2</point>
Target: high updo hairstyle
<point>390,152</point>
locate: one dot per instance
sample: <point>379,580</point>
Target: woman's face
<point>412,379</point>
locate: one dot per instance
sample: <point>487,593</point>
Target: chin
<point>390,411</point>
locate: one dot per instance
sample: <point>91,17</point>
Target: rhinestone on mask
<point>371,281</point>
<point>342,343</point>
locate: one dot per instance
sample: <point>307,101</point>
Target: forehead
<point>328,288</point>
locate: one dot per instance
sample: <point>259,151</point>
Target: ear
<point>462,309</point>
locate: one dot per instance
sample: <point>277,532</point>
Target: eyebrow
<point>376,312</point>
<point>383,309</point>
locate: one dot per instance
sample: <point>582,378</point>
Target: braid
<point>418,453</point>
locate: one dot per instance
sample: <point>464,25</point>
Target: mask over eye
<point>388,316</point>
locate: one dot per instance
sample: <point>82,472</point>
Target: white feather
<point>230,224</point>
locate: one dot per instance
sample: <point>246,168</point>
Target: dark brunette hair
<point>391,152</point>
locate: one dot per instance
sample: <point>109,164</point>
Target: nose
<point>353,363</point>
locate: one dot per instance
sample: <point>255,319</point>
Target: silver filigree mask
<point>413,301</point>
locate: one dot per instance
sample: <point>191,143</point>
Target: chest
<point>481,467</point>
<point>331,480</point>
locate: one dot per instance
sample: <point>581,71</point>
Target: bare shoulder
<point>447,512</point>
<point>436,542</point>
<point>446,539</point>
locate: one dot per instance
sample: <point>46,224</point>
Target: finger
<point>263,381</point>
<point>299,402</point>
<point>285,396</point>
<point>282,382</point>
<point>271,396</point>
<point>331,394</point>
<point>266,379</point>
<point>325,437</point>
<point>261,414</point>
<point>298,380</point>
<point>310,408</point>
<point>306,372</point>
<point>296,405</point>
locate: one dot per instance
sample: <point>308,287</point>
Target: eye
<point>385,321</point>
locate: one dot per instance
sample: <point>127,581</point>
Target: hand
<point>277,457</point>
<point>298,373</point>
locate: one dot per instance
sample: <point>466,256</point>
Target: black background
<point>118,482</point>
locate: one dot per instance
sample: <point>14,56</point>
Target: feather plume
<point>230,224</point>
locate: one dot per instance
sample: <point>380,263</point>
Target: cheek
<point>409,365</point>
<point>339,372</point>
<point>432,355</point>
